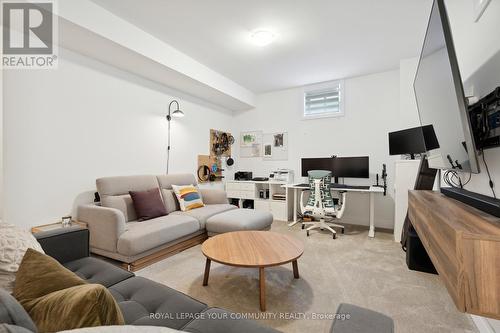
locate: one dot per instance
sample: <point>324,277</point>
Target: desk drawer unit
<point>240,190</point>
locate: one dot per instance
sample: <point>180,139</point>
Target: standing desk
<point>296,188</point>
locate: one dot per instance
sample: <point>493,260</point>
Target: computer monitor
<point>413,141</point>
<point>351,167</point>
<point>325,163</point>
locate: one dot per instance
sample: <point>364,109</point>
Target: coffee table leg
<point>262,287</point>
<point>295,269</point>
<point>207,272</point>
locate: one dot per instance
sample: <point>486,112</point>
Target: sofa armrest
<point>105,225</point>
<point>213,196</point>
<point>65,244</point>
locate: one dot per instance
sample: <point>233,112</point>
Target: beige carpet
<point>353,268</point>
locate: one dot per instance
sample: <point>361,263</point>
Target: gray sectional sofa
<point>143,302</point>
<point>115,232</point>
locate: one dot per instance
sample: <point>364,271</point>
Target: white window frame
<point>324,86</point>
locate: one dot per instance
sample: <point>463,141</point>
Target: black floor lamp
<point>175,114</point>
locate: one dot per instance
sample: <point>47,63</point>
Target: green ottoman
<point>237,220</point>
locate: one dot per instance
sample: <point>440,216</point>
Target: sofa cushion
<point>123,203</point>
<point>144,302</point>
<point>170,201</point>
<point>93,270</point>
<point>12,312</point>
<point>166,181</point>
<point>203,213</point>
<point>7,328</point>
<point>239,219</point>
<point>123,184</point>
<point>142,236</point>
<point>148,204</point>
<point>121,329</point>
<point>215,320</point>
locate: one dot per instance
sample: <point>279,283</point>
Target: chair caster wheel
<point>307,232</point>
<point>303,227</point>
<point>334,236</point>
<point>343,231</point>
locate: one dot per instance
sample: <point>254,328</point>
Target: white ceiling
<point>318,40</point>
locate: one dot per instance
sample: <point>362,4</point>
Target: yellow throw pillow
<point>188,197</point>
<point>57,299</point>
<point>86,305</point>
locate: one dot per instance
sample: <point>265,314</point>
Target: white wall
<point>371,111</point>
<point>1,144</point>
<point>66,127</point>
<point>478,52</point>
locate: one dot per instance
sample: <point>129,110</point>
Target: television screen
<point>440,97</point>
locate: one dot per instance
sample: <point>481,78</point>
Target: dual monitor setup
<point>340,167</point>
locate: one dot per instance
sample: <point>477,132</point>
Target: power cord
<point>452,178</point>
<point>490,182</point>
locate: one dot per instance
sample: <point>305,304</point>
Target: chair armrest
<point>105,225</point>
<point>213,196</point>
<point>65,244</point>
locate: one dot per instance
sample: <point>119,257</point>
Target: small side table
<point>57,225</point>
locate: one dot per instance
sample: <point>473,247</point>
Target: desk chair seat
<point>321,205</point>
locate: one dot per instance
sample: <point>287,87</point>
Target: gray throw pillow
<point>12,312</point>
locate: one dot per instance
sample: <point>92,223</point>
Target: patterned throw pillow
<point>188,197</point>
<point>14,242</point>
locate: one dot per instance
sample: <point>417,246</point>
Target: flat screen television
<point>440,97</point>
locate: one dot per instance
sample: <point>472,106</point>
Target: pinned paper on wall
<point>251,144</point>
<point>276,146</point>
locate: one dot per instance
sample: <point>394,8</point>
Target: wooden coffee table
<point>259,249</point>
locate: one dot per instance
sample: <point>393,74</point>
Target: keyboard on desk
<point>340,186</point>
<point>352,187</point>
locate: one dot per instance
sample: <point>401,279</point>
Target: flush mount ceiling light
<point>262,37</point>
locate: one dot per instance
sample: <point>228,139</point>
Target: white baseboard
<point>482,324</point>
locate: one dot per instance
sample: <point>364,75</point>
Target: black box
<point>243,175</point>
<point>417,258</point>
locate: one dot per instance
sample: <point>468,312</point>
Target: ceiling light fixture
<point>262,37</point>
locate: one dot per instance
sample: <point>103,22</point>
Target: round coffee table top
<point>252,248</point>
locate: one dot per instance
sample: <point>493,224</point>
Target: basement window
<point>324,100</point>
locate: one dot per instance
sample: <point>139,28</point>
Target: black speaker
<point>417,258</point>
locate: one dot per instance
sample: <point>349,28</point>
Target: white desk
<point>371,191</point>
